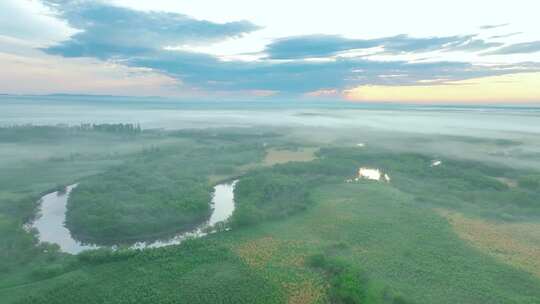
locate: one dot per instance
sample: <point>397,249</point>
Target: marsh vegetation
<point>299,232</point>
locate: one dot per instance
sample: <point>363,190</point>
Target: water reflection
<point>223,208</point>
<point>51,218</point>
<point>50,222</point>
<point>371,174</point>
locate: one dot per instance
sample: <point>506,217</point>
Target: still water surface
<point>52,214</point>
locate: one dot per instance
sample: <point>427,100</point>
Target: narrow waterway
<point>52,214</point>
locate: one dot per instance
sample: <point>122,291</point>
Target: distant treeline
<point>19,133</point>
<point>111,128</point>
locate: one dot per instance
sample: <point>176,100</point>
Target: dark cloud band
<point>138,39</point>
<point>108,31</point>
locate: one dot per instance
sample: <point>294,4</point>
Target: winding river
<point>51,218</point>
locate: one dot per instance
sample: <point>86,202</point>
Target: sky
<point>415,51</point>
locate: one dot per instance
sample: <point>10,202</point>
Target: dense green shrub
<point>133,201</point>
<point>269,195</point>
<point>350,285</point>
<point>157,194</point>
<point>48,271</point>
<point>531,182</point>
<point>105,255</point>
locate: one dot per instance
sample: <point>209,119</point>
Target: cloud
<point>316,46</point>
<point>474,45</point>
<point>311,46</point>
<point>493,26</point>
<point>505,35</point>
<point>407,44</point>
<point>323,93</point>
<point>50,74</point>
<point>109,31</point>
<point>518,48</point>
<point>207,72</point>
<point>302,76</point>
<point>138,39</point>
<point>30,22</point>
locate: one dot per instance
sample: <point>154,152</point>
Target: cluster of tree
<point>227,135</point>
<point>159,193</point>
<point>267,194</point>
<point>136,201</point>
<point>22,133</point>
<point>123,128</point>
<point>350,285</point>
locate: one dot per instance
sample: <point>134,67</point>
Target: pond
<point>371,174</point>
<point>52,213</point>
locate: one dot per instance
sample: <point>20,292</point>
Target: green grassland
<point>194,273</point>
<point>300,233</point>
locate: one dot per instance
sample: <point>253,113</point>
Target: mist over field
<point>269,152</point>
<point>485,133</point>
<point>337,201</point>
<point>170,114</point>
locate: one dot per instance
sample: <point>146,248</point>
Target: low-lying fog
<point>169,115</point>
<point>465,132</point>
